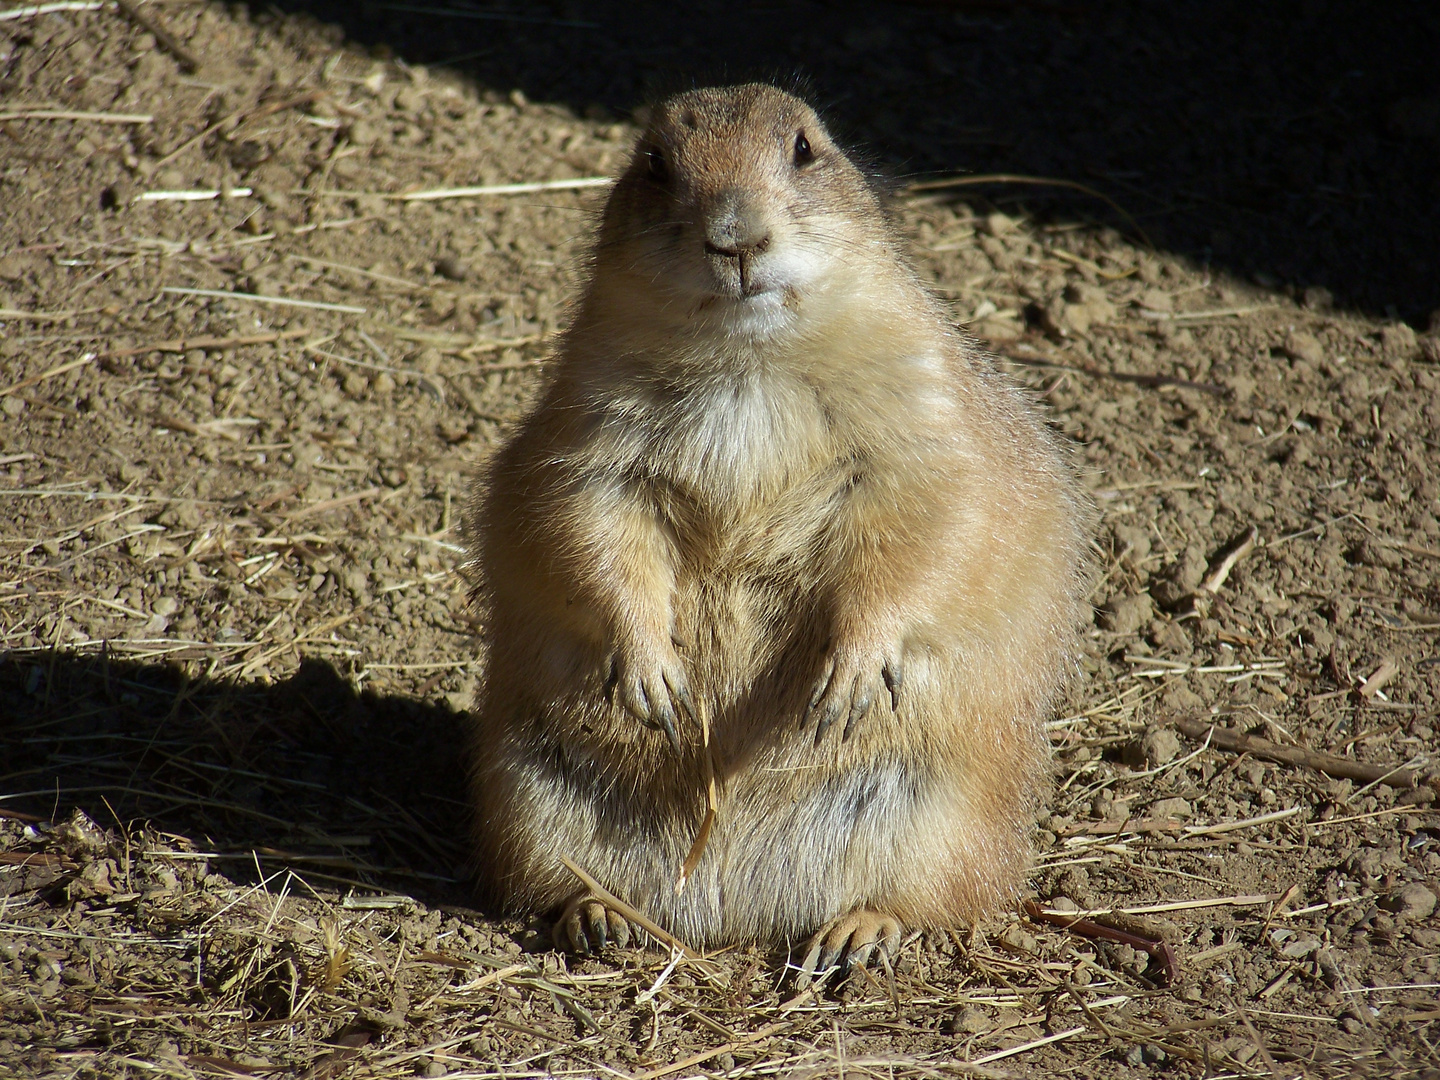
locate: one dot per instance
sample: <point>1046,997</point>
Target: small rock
<point>969,1020</point>
<point>998,224</point>
<point>1159,746</point>
<point>1127,614</point>
<point>1180,579</point>
<point>1157,300</point>
<point>1181,699</point>
<point>1412,902</point>
<point>363,133</point>
<point>1398,339</point>
<point>1171,809</point>
<point>1016,937</point>
<point>13,267</point>
<point>1134,542</point>
<point>1304,347</point>
<point>1241,387</point>
<point>166,605</point>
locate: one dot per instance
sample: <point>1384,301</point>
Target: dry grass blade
<point>59,369</point>
<point>32,10</point>
<point>208,342</point>
<point>255,298</point>
<point>505,189</point>
<point>1038,181</point>
<point>71,114</point>
<point>639,918</point>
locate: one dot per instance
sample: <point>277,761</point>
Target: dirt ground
<point>235,436</point>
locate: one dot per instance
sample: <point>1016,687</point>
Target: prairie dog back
<point>768,483</point>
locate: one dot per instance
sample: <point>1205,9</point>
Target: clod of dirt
<point>1305,347</point>
<point>1127,614</point>
<point>1180,580</point>
<point>1398,339</point>
<point>1158,746</point>
<point>1412,903</point>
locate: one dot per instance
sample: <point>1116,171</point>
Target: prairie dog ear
<point>642,115</point>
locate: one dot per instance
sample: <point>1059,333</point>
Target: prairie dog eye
<point>655,162</point>
<point>803,154</point>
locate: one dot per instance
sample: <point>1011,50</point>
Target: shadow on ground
<point>347,788</point>
<point>1293,142</point>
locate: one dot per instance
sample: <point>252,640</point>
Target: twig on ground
<point>197,195</point>
<point>1077,924</point>
<point>1038,181</point>
<point>47,9</point>
<point>1232,555</point>
<point>1330,764</point>
<point>59,369</point>
<point>167,40</point>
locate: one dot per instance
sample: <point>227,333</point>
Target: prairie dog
<point>769,481</point>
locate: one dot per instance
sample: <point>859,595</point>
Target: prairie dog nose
<point>736,227</point>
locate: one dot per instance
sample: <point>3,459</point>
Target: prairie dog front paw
<point>652,685</point>
<point>852,680</point>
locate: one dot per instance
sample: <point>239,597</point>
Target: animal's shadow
<point>350,789</point>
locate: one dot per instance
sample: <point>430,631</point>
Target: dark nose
<point>735,228</point>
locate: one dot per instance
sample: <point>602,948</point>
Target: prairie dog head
<point>738,211</point>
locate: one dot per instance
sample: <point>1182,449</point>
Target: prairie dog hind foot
<point>586,926</point>
<point>848,942</point>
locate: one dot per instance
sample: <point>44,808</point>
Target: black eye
<point>655,161</point>
<point>803,154</point>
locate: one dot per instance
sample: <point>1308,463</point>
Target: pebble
<point>1127,614</point>
<point>1413,902</point>
<point>1159,746</point>
<point>1305,347</point>
<point>1174,808</point>
<point>969,1020</point>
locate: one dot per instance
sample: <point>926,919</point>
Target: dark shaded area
<point>350,789</point>
<point>1295,142</point>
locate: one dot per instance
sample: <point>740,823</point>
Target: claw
<point>894,675</point>
<point>859,708</point>
<point>828,716</point>
<point>632,696</point>
<point>847,943</point>
<point>587,926</point>
<point>665,719</point>
<point>821,686</point>
<point>811,967</point>
<point>595,926</point>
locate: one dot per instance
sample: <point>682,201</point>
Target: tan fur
<point>748,476</point>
